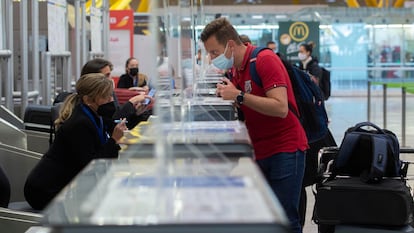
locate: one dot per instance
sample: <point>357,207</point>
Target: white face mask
<point>302,56</point>
<point>222,62</point>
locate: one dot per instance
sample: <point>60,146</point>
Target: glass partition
<point>355,44</point>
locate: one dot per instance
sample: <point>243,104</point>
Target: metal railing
<point>49,74</point>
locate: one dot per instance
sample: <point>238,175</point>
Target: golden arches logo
<point>299,31</point>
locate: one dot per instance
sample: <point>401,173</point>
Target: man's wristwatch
<point>240,98</point>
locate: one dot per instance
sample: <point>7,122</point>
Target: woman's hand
<point>137,102</point>
<point>139,89</point>
<point>119,129</point>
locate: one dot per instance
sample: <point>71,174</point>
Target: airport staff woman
<point>81,137</point>
<point>132,79</point>
<point>133,110</point>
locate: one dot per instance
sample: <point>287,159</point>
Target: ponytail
<point>66,110</point>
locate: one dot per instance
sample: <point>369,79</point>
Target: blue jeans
<point>284,173</point>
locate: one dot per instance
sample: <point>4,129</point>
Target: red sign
<point>122,20</point>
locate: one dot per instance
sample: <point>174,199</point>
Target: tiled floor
<point>346,111</point>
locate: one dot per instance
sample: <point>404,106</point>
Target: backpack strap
<point>253,72</point>
<point>379,159</point>
<point>345,152</point>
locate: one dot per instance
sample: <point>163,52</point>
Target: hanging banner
<point>56,24</point>
<point>294,33</point>
<point>143,40</point>
<point>96,30</point>
<point>121,43</point>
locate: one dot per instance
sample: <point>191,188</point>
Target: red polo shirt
<point>270,135</point>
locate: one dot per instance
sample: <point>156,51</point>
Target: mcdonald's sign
<point>293,33</point>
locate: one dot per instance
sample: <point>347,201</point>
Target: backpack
<point>371,154</point>
<point>325,83</point>
<point>309,99</point>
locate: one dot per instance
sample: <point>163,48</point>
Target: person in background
<point>309,63</point>
<point>163,67</point>
<point>278,139</point>
<point>245,39</point>
<point>272,45</point>
<point>132,79</point>
<point>133,110</point>
<point>81,137</point>
<point>311,66</point>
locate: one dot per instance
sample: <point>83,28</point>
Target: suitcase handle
<point>367,123</point>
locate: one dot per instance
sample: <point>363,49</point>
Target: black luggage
<point>373,229</point>
<point>348,200</point>
<point>364,189</point>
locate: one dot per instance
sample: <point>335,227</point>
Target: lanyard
<point>98,128</point>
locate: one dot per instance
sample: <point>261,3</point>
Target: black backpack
<point>370,153</point>
<point>325,83</point>
<point>309,98</point>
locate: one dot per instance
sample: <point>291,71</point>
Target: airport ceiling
<point>253,12</point>
<point>274,2</point>
<point>264,2</point>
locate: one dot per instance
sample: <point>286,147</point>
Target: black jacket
<point>126,81</point>
<point>312,68</point>
<point>112,111</point>
<point>76,144</point>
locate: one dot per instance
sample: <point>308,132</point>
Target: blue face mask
<point>222,62</point>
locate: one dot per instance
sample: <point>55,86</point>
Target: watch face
<point>240,98</point>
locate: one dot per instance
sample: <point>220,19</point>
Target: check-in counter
<point>189,139</point>
<point>207,108</point>
<point>209,81</point>
<point>188,195</point>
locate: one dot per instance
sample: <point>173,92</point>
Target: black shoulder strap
<point>345,151</point>
<point>379,159</point>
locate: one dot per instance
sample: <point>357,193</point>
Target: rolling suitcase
<point>348,200</point>
<point>348,204</point>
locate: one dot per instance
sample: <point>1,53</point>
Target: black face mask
<point>133,71</point>
<point>106,110</point>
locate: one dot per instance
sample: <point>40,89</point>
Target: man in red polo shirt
<point>278,138</point>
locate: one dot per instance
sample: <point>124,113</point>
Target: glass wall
<point>355,44</point>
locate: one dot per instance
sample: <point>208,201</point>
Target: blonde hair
<point>93,85</point>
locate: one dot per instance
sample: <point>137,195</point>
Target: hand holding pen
<point>119,129</point>
<point>120,120</point>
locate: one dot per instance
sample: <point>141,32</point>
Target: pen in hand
<point>119,121</point>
